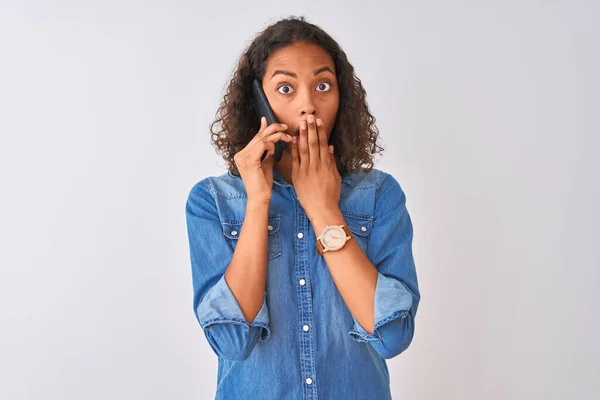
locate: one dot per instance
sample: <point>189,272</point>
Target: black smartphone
<point>263,108</point>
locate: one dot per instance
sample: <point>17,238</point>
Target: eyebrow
<point>293,75</point>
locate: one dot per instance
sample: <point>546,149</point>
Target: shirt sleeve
<point>217,311</point>
<point>397,293</point>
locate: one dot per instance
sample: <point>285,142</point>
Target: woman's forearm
<point>247,270</point>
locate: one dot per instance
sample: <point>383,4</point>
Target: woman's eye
<point>286,92</point>
<point>323,83</point>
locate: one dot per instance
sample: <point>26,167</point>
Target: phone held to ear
<point>263,108</point>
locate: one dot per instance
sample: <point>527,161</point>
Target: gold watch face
<point>333,237</point>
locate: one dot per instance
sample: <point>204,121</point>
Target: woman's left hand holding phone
<point>257,175</point>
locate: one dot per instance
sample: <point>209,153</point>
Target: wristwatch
<point>333,238</point>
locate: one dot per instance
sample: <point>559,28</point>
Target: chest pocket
<point>361,229</point>
<point>232,229</point>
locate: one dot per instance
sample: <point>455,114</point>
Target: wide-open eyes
<point>324,86</point>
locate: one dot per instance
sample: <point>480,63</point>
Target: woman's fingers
<point>264,131</point>
<point>303,146</point>
<point>268,143</point>
<point>313,142</point>
<point>274,127</point>
<point>268,130</point>
<point>295,155</point>
<point>323,147</point>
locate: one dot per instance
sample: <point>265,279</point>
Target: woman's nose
<point>307,105</point>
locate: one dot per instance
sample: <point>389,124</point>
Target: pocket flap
<point>232,228</point>
<point>359,226</point>
<point>274,224</point>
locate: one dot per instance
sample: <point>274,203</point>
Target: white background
<point>489,115</point>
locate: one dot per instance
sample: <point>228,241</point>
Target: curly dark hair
<point>354,134</point>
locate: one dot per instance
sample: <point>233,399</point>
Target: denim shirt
<point>304,343</point>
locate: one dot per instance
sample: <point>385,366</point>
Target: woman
<point>303,274</point>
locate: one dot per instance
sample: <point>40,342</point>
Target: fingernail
<point>284,125</point>
<point>262,119</point>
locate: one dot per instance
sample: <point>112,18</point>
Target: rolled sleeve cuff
<point>392,300</point>
<point>220,306</point>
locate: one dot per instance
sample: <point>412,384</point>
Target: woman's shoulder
<point>379,186</point>
<point>225,185</point>
<point>375,178</point>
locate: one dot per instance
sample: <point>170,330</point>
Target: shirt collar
<point>278,179</point>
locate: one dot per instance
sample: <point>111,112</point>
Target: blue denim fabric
<point>273,357</point>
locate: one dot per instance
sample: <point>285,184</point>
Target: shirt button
<point>305,327</point>
<point>308,380</point>
<point>363,229</point>
<point>234,233</point>
<point>270,227</point>
<point>302,282</point>
<point>300,235</point>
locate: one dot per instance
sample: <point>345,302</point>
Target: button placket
<point>305,302</point>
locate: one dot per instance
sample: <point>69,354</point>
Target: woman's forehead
<point>299,60</point>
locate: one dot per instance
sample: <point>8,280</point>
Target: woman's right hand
<point>257,175</point>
